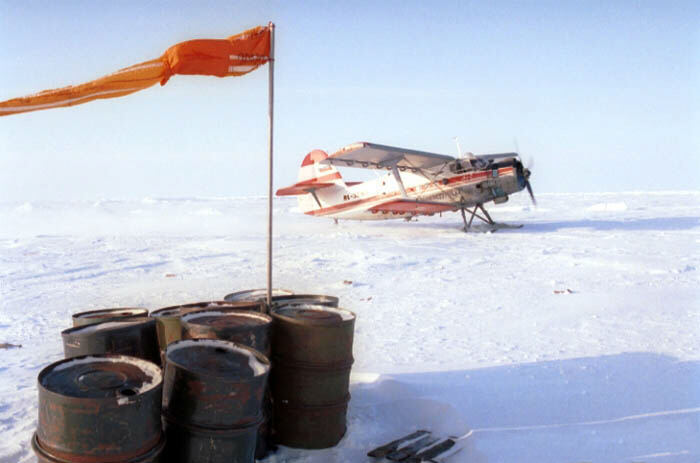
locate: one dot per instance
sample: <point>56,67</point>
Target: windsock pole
<point>271,100</point>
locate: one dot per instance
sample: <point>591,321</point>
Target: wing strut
<point>393,165</point>
<point>312,191</point>
<point>397,176</point>
<point>473,213</point>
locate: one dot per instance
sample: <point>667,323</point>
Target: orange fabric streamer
<point>234,56</point>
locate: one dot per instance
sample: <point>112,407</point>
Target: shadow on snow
<point>625,407</point>
<point>534,226</point>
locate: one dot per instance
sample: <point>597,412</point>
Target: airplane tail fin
<point>312,178</point>
<point>312,171</point>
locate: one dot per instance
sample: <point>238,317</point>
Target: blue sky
<point>604,96</point>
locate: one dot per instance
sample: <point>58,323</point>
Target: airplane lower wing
<point>408,206</point>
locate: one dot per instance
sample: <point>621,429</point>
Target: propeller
<point>529,189</point>
<point>525,173</point>
<point>530,163</point>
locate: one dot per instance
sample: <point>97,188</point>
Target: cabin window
<point>494,173</point>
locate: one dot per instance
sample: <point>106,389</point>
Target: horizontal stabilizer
<point>404,206</point>
<point>302,188</point>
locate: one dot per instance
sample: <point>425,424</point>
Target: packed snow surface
<point>574,338</point>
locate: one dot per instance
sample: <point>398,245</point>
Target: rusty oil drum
<point>241,326</point>
<point>256,294</point>
<point>312,356</point>
<point>281,297</point>
<point>106,315</point>
<point>129,336</point>
<point>99,409</point>
<point>313,334</point>
<point>168,318</point>
<point>212,400</point>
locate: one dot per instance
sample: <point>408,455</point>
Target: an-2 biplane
<point>417,183</point>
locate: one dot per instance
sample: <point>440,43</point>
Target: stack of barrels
<point>110,400</point>
<point>312,357</point>
<point>311,364</point>
<point>246,327</point>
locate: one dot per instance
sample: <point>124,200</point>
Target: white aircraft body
<point>416,183</point>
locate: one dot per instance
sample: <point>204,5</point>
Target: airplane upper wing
<point>373,156</point>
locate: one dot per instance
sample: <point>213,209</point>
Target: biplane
<point>416,183</point>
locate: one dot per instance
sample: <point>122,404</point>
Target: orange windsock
<point>234,56</point>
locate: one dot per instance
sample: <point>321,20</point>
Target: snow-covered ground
<point>575,338</point>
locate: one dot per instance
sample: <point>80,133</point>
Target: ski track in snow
<point>574,338</point>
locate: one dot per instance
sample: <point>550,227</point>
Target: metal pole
<point>271,100</point>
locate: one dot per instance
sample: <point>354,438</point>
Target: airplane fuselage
<point>357,201</point>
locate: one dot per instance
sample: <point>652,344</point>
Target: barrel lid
<point>312,314</point>
<point>101,376</point>
<point>114,312</point>
<point>216,357</point>
<point>179,310</point>
<point>231,318</point>
<point>256,294</point>
<point>108,326</point>
<point>299,299</point>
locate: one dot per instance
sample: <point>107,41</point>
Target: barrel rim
<point>144,457</point>
<point>257,354</point>
<point>89,313</point>
<point>230,297</point>
<point>207,430</point>
<point>281,299</point>
<point>110,358</point>
<point>129,322</point>
<point>165,311</point>
<point>287,319</point>
<point>190,317</point>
